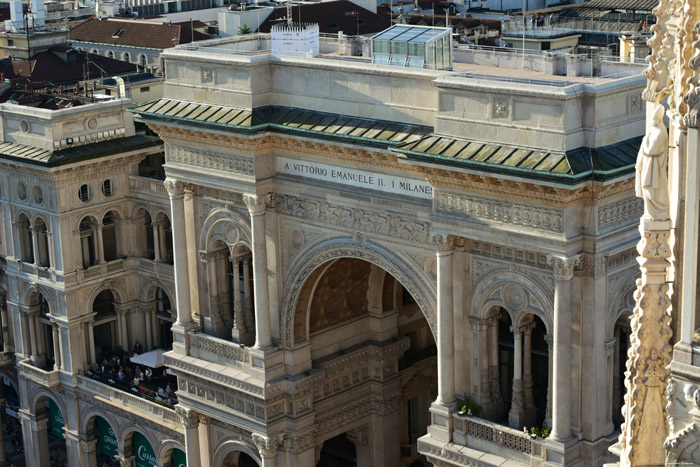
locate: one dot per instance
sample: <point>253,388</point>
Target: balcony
<point>128,401</point>
<point>476,439</point>
<point>215,350</point>
<point>49,379</point>
<point>100,270</point>
<point>148,189</point>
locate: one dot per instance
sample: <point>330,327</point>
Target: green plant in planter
<point>467,406</point>
<point>540,431</point>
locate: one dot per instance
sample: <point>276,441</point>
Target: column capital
<point>549,340</point>
<point>444,244</point>
<point>174,188</point>
<point>517,332</point>
<point>358,435</point>
<point>268,446</point>
<point>188,417</point>
<point>478,324</point>
<point>257,204</point>
<point>527,328</point>
<point>564,267</point>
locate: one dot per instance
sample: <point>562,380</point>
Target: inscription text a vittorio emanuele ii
<point>355,178</point>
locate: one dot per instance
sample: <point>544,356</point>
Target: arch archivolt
<point>32,292</point>
<point>115,287</point>
<point>233,445</point>
<point>166,446</point>
<point>129,428</point>
<point>518,294</point>
<point>227,226</point>
<point>115,208</point>
<point>89,415</point>
<point>418,284</point>
<point>148,292</point>
<point>39,393</point>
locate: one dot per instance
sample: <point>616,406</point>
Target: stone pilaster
<point>645,426</point>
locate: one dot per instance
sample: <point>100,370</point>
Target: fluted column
<point>256,206</point>
<point>561,402</point>
<point>51,257</point>
<point>617,381</point>
<point>64,363</point>
<point>182,280</point>
<point>481,328</point>
<point>515,416</point>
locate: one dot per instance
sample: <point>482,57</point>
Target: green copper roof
<point>40,156</point>
<point>600,162</point>
<point>413,142</point>
<point>284,119</point>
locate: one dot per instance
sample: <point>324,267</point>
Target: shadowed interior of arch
<point>348,305</point>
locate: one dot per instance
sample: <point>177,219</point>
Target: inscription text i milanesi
<point>356,178</point>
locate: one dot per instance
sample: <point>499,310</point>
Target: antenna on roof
<point>289,12</point>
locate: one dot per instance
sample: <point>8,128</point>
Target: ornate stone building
<point>398,240</point>
<point>358,250</point>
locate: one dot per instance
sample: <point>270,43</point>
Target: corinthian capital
<point>257,203</point>
<point>267,446</point>
<point>443,243</point>
<point>189,418</point>
<point>173,187</point>
<point>564,267</point>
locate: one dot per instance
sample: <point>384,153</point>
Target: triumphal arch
<point>361,251</point>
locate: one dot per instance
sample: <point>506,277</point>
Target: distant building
<point>332,17</point>
<point>132,40</point>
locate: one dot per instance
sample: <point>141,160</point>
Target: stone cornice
<point>383,160</point>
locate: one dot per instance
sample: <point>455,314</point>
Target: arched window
<point>163,239</point>
<point>127,57</point>
<point>164,320</point>
<point>24,233</point>
<point>87,242</point>
<point>144,234</point>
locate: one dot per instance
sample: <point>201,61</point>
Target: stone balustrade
<point>148,187</point>
<point>127,401</point>
<point>49,379</point>
<point>213,349</point>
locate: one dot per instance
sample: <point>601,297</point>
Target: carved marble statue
<point>652,163</point>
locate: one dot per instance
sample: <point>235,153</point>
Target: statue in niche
<point>652,167</point>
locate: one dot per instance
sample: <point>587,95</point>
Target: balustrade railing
<point>131,402</point>
<point>467,427</point>
<point>43,377</point>
<point>217,350</point>
<point>147,186</point>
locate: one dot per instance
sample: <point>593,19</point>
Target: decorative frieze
<point>219,161</point>
<point>630,208</point>
<point>496,210</point>
<point>350,413</point>
<point>353,219</point>
<point>230,399</point>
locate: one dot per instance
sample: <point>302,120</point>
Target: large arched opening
<point>51,450</point>
<point>348,309</point>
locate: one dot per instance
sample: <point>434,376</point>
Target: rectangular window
<point>146,89</point>
<point>10,42</point>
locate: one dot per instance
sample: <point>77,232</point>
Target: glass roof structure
<point>413,47</point>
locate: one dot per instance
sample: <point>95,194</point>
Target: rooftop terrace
<point>510,64</point>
